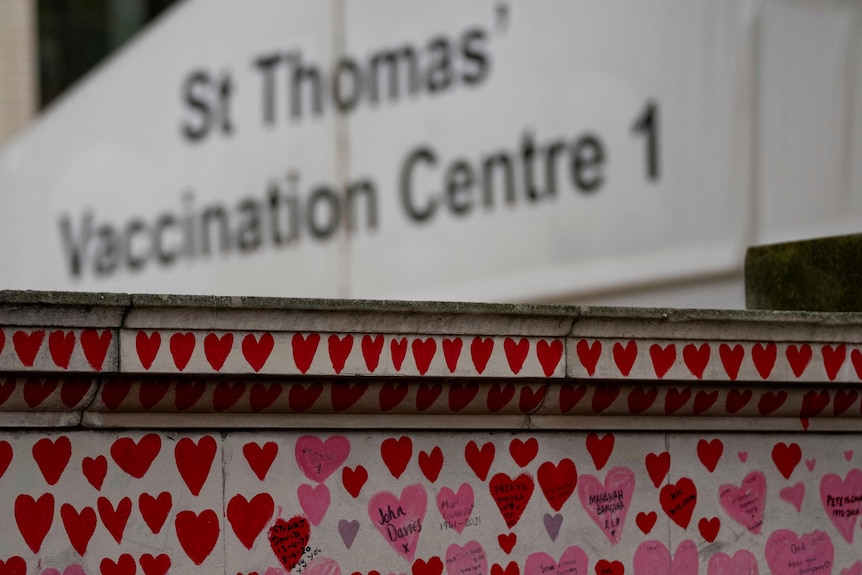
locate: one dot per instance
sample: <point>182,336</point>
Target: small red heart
<point>605,567</point>
<point>798,358</point>
<point>549,355</point>
<point>115,519</point>
<point>431,463</point>
<point>646,521</point>
<point>182,346</point>
<point>814,402</point>
<point>6,389</point>
<point>304,349</point>
<point>256,351</point>
<point>640,400</point>
<point>136,458</point>
<point>625,356</point>
<point>14,565</point>
<point>36,390</point>
<point>856,360</point>
<point>398,351</point>
<point>95,470</point>
<point>427,395</point>
<point>73,390</point>
<point>530,400</point>
<point>523,452</point>
<point>345,394</point>
<point>499,396</point>
<point>558,482</point>
<point>194,461</point>
<point>147,347</point>
<point>657,466</point>
<point>155,510</point>
<point>396,454</point>
<point>452,352</point>
<point>516,353</point>
<point>27,345</point>
<point>502,487</point>
<point>52,457</point>
<point>709,452</point>
<point>151,392</point>
<point>507,542</point>
<point>226,394</point>
<point>731,359</point>
<point>479,460</point>
<point>339,351</point>
<point>197,533</point>
<point>114,391</point>
<point>434,566</point>
<point>301,398</point>
<point>249,517</point>
<point>187,393</point>
<point>511,569</point>
<point>833,359</point>
<point>216,349</point>
<point>392,394</point>
<point>570,396</point>
<point>5,456</point>
<point>95,346</point>
<point>262,396</point>
<point>663,358</point>
<point>461,394</point>
<point>604,396</point>
<point>600,449</point>
<point>589,354</point>
<point>259,458</point>
<point>709,528</point>
<point>61,344</point>
<point>480,352</point>
<point>786,457</point>
<point>79,526</point>
<point>423,353</point>
<point>675,399</point>
<point>354,479</point>
<point>844,400</point>
<point>678,501</point>
<point>696,358</point>
<point>770,401</point>
<point>764,358</point>
<point>703,400</point>
<point>737,399</point>
<point>371,349</point>
<point>34,518</point>
<point>157,565</point>
<point>125,565</point>
<point>288,540</point>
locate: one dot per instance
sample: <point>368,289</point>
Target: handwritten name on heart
<point>456,508</point>
<point>679,500</point>
<point>400,519</point>
<point>467,560</point>
<point>741,562</point>
<point>288,540</point>
<point>608,504</point>
<point>572,562</point>
<point>319,459</point>
<point>842,501</point>
<point>789,554</point>
<point>653,558</point>
<point>511,495</point>
<point>745,503</point>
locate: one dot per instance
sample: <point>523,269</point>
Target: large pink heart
<point>467,560</point>
<point>318,459</point>
<point>842,501</point>
<point>322,566</point>
<point>653,558</point>
<point>855,569</point>
<point>608,504</point>
<point>745,503</point>
<point>400,520</point>
<point>742,563</point>
<point>314,501</point>
<point>789,554</point>
<point>455,508</point>
<point>573,562</point>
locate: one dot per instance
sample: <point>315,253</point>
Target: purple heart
<point>552,525</point>
<point>348,531</point>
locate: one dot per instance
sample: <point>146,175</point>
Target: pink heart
<point>456,508</point>
<point>470,559</point>
<point>70,570</point>
<point>794,495</point>
<point>842,501</point>
<point>743,456</point>
<point>855,569</point>
<point>745,504</point>
<point>742,562</point>
<point>789,554</point>
<point>314,501</point>
<point>653,558</point>
<point>848,454</point>
<point>319,459</point>
<point>322,566</point>
<point>399,520</point>
<point>573,562</point>
<point>608,504</point>
<point>809,463</point>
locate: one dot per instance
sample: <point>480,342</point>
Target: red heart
<point>731,359</point>
<point>570,396</point>
<point>2,340</point>
<point>95,346</point>
<point>423,353</point>
<point>625,357</point>
<point>604,395</point>
<point>301,399</point>
<point>813,403</point>
<point>27,345</point>
<point>530,400</point>
<point>709,452</point>
<point>709,528</point>
<point>844,400</point>
<point>94,470</point>
<point>507,542</point>
<point>371,349</point>
<point>74,389</point>
<point>197,533</point>
<point>674,400</point>
<point>704,400</point>
<point>499,396</point>
<point>679,500</point>
<point>398,351</point>
<point>248,518</point>
<point>558,482</point>
<point>152,391</point>
<point>391,395</point>
<point>516,353</point>
<point>662,358</point>
<point>460,395</point>
<point>6,389</point>
<point>157,565</point>
<point>260,458</point>
<point>34,518</point>
<point>798,358</point>
<point>549,355</point>
<point>187,393</point>
<point>479,460</point>
<point>339,350</point>
<point>511,569</point>
<point>226,394</point>
<point>216,349</point>
<point>770,401</point>
<point>696,358</point>
<point>262,396</point>
<point>786,458</point>
<point>736,399</point>
<point>61,344</point>
<point>79,526</point>
<point>646,521</point>
<point>600,449</point>
<point>114,391</point>
<point>345,395</point>
<point>640,400</point>
<point>856,359</point>
<point>589,354</point>
<point>304,349</point>
<point>764,358</point>
<point>5,456</point>
<point>427,395</point>
<point>657,466</point>
<point>431,463</point>
<point>125,565</point>
<point>256,351</point>
<point>14,565</point>
<point>480,352</point>
<point>52,457</point>
<point>354,479</point>
<point>147,347</point>
<point>36,391</point>
<point>182,345</point>
<point>194,461</point>
<point>523,452</point>
<point>605,567</point>
<point>433,566</point>
<point>451,352</point>
<point>511,495</point>
<point>833,359</point>
<point>115,520</point>
<point>136,458</point>
<point>155,510</point>
<point>288,540</point>
<point>396,454</point>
